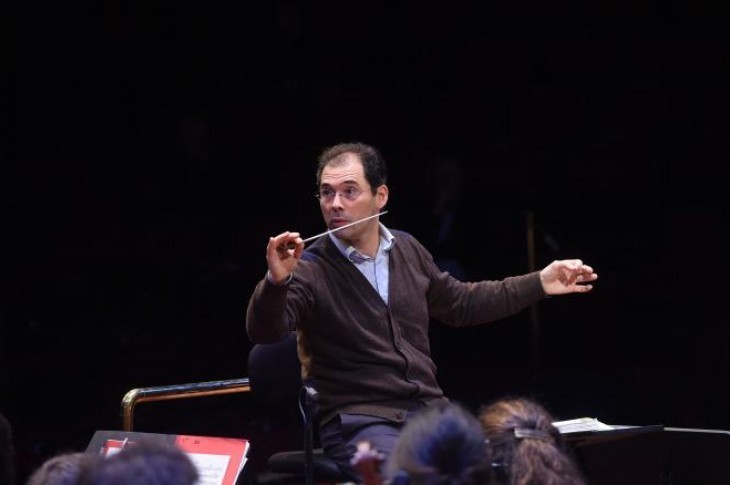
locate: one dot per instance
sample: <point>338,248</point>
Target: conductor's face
<point>345,196</point>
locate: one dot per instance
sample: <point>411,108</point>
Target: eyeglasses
<point>328,195</point>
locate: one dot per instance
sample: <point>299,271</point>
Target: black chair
<point>275,382</point>
<point>275,376</point>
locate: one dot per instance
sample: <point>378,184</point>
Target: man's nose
<point>337,199</point>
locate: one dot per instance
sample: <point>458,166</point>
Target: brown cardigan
<point>362,355</point>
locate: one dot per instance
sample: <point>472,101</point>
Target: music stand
<point>653,454</point>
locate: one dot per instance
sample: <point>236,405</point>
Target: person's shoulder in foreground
<point>63,469</point>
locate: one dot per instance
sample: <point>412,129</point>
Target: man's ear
<point>381,196</point>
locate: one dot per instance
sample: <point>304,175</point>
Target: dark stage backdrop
<point>149,152</point>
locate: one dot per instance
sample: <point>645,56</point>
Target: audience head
<point>143,462</point>
<point>63,469</point>
<point>525,446</point>
<point>441,444</point>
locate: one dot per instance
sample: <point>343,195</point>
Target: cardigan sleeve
<point>266,312</point>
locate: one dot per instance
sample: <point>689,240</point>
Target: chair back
<point>274,371</point>
<point>275,376</point>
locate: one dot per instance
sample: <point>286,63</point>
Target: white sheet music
<point>581,424</point>
<point>212,468</point>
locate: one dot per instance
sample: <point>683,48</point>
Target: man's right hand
<point>281,258</point>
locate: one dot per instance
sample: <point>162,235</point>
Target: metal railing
<point>177,391</point>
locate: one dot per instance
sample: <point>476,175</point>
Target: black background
<point>150,150</point>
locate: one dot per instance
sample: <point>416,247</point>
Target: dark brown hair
<point>373,164</point>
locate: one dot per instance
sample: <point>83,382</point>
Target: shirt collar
<point>387,240</point>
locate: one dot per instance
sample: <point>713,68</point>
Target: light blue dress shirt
<point>375,269</point>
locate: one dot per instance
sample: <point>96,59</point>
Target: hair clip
<point>533,434</point>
